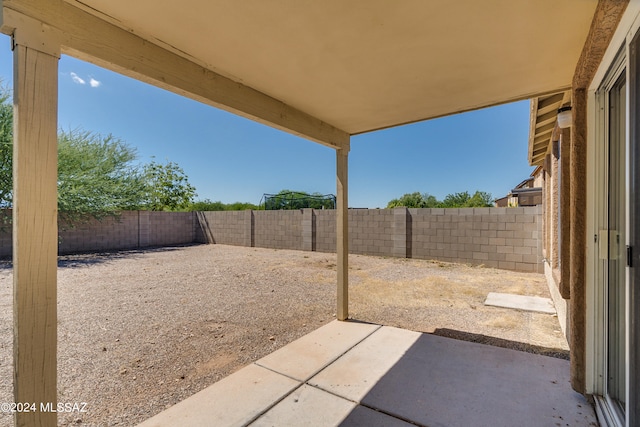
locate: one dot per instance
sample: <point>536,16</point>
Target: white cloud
<point>94,83</point>
<point>77,79</point>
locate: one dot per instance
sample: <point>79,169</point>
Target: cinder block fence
<point>129,230</point>
<point>509,238</point>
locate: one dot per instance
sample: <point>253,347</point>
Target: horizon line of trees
<point>479,199</point>
<point>283,200</point>
<point>288,200</point>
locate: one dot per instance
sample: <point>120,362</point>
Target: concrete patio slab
<point>441,381</point>
<point>361,416</point>
<point>306,356</point>
<point>233,401</point>
<point>355,373</point>
<point>521,302</point>
<point>307,406</point>
<point>393,378</point>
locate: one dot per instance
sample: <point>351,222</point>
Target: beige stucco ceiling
<point>366,65</point>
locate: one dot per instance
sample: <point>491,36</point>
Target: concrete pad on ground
<point>307,406</point>
<point>521,302</point>
<point>355,373</point>
<point>308,355</point>
<point>395,377</point>
<point>442,381</point>
<point>233,401</point>
<point>362,416</point>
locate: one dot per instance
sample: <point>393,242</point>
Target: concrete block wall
<point>371,232</point>
<point>171,228</point>
<point>6,243</point>
<point>278,229</point>
<point>128,230</point>
<point>326,230</point>
<point>109,233</point>
<point>508,238</point>
<point>224,227</point>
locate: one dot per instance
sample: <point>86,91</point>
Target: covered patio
<point>361,374</point>
<point>324,71</point>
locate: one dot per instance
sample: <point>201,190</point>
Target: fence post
<point>400,230</point>
<point>308,229</point>
<point>249,229</point>
<point>144,229</point>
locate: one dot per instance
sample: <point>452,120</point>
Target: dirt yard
<point>140,331</point>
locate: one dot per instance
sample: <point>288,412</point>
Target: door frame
<point>605,407</point>
<point>618,55</point>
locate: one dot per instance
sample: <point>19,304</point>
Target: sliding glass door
<point>616,262</point>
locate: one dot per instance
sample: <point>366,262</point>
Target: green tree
<point>480,199</point>
<point>414,200</point>
<point>167,187</point>
<point>456,200</point>
<point>208,205</point>
<point>97,175</point>
<point>241,206</point>
<point>6,148</point>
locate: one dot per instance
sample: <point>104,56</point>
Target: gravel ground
<point>142,330</point>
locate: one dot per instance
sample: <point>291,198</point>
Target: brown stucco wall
<point>606,18</point>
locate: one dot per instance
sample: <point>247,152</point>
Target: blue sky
<point>231,159</point>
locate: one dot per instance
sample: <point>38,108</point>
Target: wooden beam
<point>543,137</point>
<point>342,233</point>
<point>541,128</point>
<point>35,233</point>
<point>550,101</point>
<point>533,115</point>
<point>92,39</point>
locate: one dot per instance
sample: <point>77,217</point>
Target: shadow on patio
<point>360,374</point>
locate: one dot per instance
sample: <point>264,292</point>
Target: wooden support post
<point>342,233</point>
<point>35,233</point>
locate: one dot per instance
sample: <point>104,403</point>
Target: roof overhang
<point>543,124</point>
<point>346,67</point>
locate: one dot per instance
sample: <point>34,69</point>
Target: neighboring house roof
<point>502,202</point>
<point>526,183</point>
<point>518,191</point>
<point>336,65</point>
